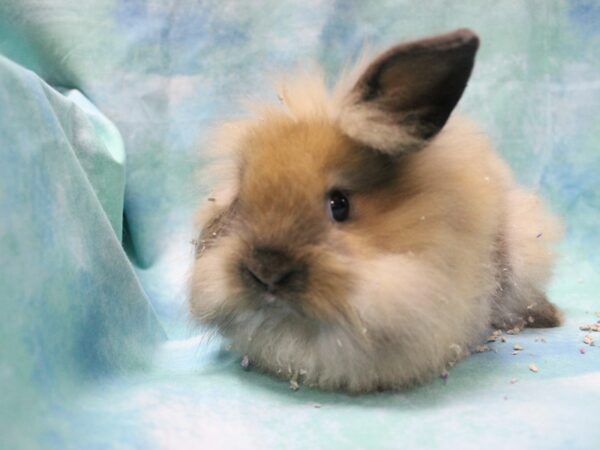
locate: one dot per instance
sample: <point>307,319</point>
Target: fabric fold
<point>71,306</point>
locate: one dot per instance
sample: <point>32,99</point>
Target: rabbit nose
<point>272,269</point>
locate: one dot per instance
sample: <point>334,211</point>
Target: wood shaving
<point>482,349</point>
<point>515,330</point>
<point>517,347</point>
<point>294,386</point>
<point>588,340</point>
<point>533,368</point>
<point>595,327</point>
<point>245,362</point>
<point>530,319</point>
<point>495,336</point>
<point>444,376</point>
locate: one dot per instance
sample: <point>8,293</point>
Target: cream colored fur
<point>425,276</point>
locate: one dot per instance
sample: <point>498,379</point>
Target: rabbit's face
<point>302,219</point>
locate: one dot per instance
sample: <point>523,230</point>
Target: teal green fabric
<point>72,308</point>
<point>104,110</point>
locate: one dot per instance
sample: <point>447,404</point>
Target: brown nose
<point>271,269</point>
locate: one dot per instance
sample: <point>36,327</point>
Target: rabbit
<point>366,239</point>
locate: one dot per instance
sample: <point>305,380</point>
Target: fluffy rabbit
<point>365,239</point>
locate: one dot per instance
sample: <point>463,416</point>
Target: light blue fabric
<point>99,167</point>
<point>72,309</point>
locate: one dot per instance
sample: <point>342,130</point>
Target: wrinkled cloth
<point>105,109</point>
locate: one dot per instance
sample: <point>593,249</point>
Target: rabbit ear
<point>405,96</point>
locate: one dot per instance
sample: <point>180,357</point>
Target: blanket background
<point>104,110</point>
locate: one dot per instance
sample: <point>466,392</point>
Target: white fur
<point>372,127</point>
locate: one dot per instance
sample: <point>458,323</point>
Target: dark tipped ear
<point>406,95</point>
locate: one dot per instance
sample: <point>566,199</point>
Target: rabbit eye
<point>339,206</point>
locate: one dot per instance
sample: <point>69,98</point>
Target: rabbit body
<point>351,251</point>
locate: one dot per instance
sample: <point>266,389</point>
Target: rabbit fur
<point>440,245</point>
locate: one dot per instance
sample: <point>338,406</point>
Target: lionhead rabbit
<point>365,239</point>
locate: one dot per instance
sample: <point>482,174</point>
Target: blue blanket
<point>104,109</point>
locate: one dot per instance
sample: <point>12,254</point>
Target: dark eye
<point>339,206</point>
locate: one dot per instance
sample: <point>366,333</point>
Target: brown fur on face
<point>275,212</point>
<point>439,243</point>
